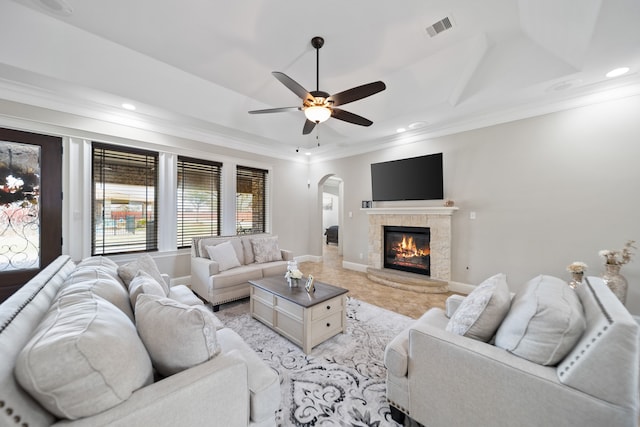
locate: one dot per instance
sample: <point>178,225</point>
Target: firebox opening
<point>407,249</point>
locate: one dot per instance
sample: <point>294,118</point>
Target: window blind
<point>198,199</point>
<point>124,208</point>
<point>251,200</point>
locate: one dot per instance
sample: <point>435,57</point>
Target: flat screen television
<point>416,178</point>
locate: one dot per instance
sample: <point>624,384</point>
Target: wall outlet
<point>472,215</point>
<point>361,255</point>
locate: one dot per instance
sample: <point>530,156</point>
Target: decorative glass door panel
<point>19,206</point>
<point>30,206</point>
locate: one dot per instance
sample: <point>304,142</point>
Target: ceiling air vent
<point>438,27</point>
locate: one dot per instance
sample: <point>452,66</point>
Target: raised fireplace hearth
<point>407,249</point>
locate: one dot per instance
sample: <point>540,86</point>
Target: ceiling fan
<point>317,105</point>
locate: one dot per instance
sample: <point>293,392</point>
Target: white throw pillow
<point>101,283</point>
<point>145,263</point>
<point>102,263</point>
<point>224,254</point>
<point>176,335</point>
<point>265,249</point>
<point>545,322</point>
<point>247,249</point>
<point>83,358</point>
<point>482,311</point>
<point>143,283</point>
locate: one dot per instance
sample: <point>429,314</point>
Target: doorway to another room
<point>332,213</point>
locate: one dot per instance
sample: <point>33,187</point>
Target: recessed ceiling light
<point>564,85</point>
<point>417,125</point>
<point>128,106</point>
<point>307,153</point>
<point>618,72</point>
<point>400,130</point>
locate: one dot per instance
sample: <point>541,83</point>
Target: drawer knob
<point>328,307</point>
<point>328,325</point>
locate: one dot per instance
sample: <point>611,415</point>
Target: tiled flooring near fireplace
<point>409,303</point>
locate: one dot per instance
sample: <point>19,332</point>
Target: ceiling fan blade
<point>308,127</point>
<point>356,93</point>
<point>293,86</point>
<point>346,116</point>
<point>275,110</point>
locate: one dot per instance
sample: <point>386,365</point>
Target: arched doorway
<point>330,192</point>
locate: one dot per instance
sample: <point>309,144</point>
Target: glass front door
<point>19,206</point>
<point>30,206</point>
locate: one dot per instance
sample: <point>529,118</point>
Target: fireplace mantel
<point>420,210</point>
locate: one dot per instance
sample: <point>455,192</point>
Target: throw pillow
<point>102,263</point>
<point>83,358</point>
<point>482,311</point>
<point>102,283</point>
<point>143,283</point>
<point>176,335</point>
<point>247,249</point>
<point>265,249</point>
<point>145,263</point>
<point>545,322</point>
<point>224,254</point>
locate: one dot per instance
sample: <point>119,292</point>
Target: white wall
<point>546,191</point>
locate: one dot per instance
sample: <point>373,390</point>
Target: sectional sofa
<point>99,344</point>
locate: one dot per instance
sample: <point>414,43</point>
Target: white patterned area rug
<point>342,381</point>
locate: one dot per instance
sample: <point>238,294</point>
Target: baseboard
<point>354,266</point>
<point>308,258</point>
<point>461,288</point>
<point>183,280</point>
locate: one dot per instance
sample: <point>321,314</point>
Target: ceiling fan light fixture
<point>317,113</point>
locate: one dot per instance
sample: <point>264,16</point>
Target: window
<point>198,199</point>
<point>251,200</point>
<point>125,204</point>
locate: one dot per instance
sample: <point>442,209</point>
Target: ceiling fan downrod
<point>317,42</point>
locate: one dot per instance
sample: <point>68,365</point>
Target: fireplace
<point>407,249</point>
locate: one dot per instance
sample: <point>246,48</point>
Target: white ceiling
<point>194,68</point>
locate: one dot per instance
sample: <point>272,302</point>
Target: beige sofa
<point>75,351</point>
<point>225,276</point>
<point>440,378</point>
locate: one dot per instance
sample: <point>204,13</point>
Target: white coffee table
<point>305,319</point>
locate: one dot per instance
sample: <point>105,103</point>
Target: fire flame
<point>407,248</point>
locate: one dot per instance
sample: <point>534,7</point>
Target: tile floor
<point>409,303</point>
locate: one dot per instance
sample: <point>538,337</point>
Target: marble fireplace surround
<point>438,219</point>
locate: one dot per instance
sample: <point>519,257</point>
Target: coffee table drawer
<point>262,295</point>
<point>289,308</point>
<point>262,311</point>
<point>327,308</point>
<point>289,327</point>
<point>325,328</point>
